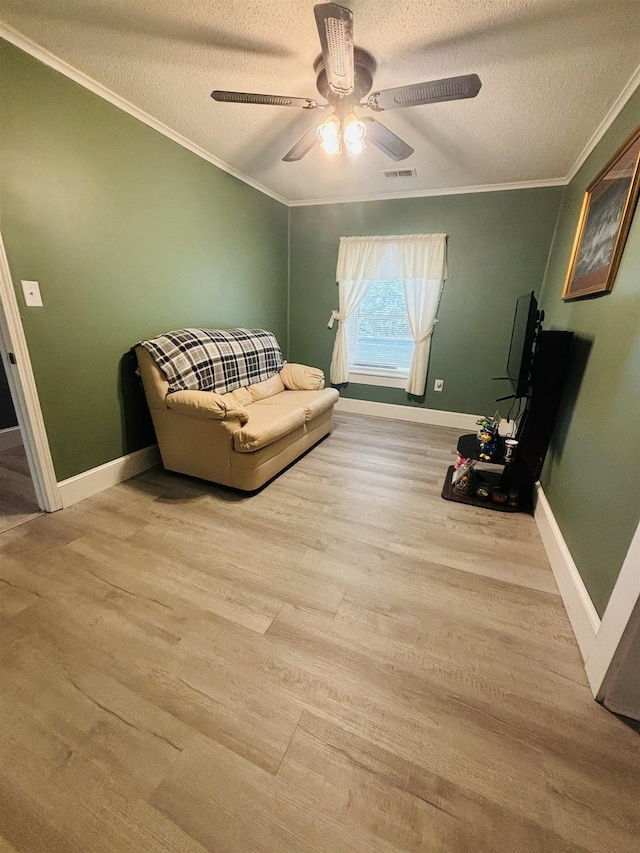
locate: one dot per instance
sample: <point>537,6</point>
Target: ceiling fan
<point>344,76</point>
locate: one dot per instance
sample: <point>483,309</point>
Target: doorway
<point>18,502</point>
<point>28,483</point>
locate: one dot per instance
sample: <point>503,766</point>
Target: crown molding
<point>617,107</point>
<point>480,188</point>
<point>43,55</point>
<point>52,61</point>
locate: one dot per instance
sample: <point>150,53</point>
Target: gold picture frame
<point>607,210</point>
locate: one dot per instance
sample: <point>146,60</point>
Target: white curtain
<point>420,260</point>
<point>350,294</point>
<point>422,299</point>
<point>425,269</point>
<point>359,261</point>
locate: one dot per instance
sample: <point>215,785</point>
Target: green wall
<point>498,249</point>
<point>129,235</point>
<point>592,471</point>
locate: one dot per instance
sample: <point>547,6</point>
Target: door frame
<point>22,384</point>
<point>625,595</point>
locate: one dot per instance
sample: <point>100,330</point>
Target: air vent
<point>400,173</point>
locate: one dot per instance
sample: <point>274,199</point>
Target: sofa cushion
<point>299,377</point>
<point>266,424</point>
<point>242,395</point>
<point>281,447</point>
<point>313,403</point>
<point>262,390</point>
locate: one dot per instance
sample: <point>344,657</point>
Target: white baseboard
<point>10,437</point>
<point>97,479</point>
<point>582,613</point>
<point>415,414</point>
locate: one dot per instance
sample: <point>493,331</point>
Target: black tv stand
<point>469,447</point>
<point>548,373</point>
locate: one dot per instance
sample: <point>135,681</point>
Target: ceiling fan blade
<point>449,89</point>
<point>386,140</point>
<point>335,28</point>
<point>302,146</point>
<point>270,100</point>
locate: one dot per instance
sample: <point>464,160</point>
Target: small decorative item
<point>485,424</point>
<point>460,461</point>
<point>607,211</point>
<point>489,439</point>
<point>513,498</point>
<point>461,468</point>
<point>510,447</point>
<point>464,478</point>
<point>483,490</point>
<point>498,495</point>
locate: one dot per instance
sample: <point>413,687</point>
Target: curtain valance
<point>404,257</point>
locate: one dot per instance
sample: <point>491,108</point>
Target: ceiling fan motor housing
<point>364,68</point>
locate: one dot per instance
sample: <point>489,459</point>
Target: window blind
<point>378,330</point>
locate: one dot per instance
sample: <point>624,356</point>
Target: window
<point>388,293</point>
<point>380,343</point>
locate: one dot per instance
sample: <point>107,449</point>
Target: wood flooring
<point>17,497</point>
<point>342,663</point>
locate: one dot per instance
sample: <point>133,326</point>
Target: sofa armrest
<point>206,406</point>
<point>299,377</point>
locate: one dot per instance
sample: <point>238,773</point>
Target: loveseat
<point>244,437</point>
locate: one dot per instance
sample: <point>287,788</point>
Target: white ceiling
<point>551,70</point>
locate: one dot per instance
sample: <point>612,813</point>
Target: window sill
<point>385,380</point>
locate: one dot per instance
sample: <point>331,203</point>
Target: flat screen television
<point>523,338</point>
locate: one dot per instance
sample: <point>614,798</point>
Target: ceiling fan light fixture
<point>330,135</point>
<point>355,147</point>
<point>353,133</point>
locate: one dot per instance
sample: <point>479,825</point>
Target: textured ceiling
<point>551,69</point>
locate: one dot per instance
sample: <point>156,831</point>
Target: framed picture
<point>607,211</point>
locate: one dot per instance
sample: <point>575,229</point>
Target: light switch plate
<point>32,297</point>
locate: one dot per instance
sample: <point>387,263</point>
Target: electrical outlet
<point>31,290</point>
<point>438,385</point>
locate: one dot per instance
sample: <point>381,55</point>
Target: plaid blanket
<point>215,360</point>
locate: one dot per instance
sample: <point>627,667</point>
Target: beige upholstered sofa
<point>242,438</point>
